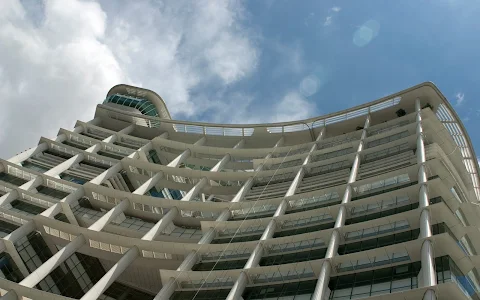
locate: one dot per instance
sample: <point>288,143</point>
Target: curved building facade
<point>380,201</point>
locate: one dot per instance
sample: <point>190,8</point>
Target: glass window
<point>52,192</point>
<point>12,179</point>
<point>110,154</point>
<point>460,216</point>
<point>26,207</point>
<point>74,179</point>
<point>34,166</point>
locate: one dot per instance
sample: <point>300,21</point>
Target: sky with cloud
<point>229,61</point>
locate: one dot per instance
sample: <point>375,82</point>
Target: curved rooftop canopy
<point>146,101</point>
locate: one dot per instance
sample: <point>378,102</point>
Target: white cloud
<point>328,21</point>
<point>293,107</point>
<point>459,97</point>
<point>57,63</point>
<point>290,59</point>
<point>332,12</point>
<point>51,74</point>
<point>183,45</point>
<point>240,108</point>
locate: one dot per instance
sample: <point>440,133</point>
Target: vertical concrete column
<point>325,270</point>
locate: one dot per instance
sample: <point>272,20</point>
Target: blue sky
<point>230,61</point>
<point>416,41</point>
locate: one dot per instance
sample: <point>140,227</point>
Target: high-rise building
<point>380,201</point>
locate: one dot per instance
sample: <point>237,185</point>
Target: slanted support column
<point>169,287</point>
<point>210,234</point>
<point>19,158</point>
<point>280,142</point>
<point>160,226</point>
<point>95,148</point>
<point>240,144</point>
<point>248,184</point>
<point>428,274</point>
<point>111,215</point>
<point>185,154</point>
<point>6,199</point>
<point>129,129</point>
<point>10,295</point>
<point>52,211</point>
<point>301,173</point>
<point>221,164</point>
<point>32,183</point>
<point>63,137</point>
<point>180,158</point>
<point>55,171</point>
<point>321,134</point>
<point>13,237</point>
<point>104,283</point>
<point>325,270</point>
<point>167,290</point>
<point>189,261</point>
<point>147,185</point>
<point>142,151</point>
<point>238,288</point>
<point>107,174</point>
<point>193,192</point>
<point>111,139</point>
<point>257,253</point>
<point>47,267</point>
<point>65,205</point>
<point>128,258</point>
<point>95,121</point>
<point>296,182</point>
